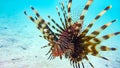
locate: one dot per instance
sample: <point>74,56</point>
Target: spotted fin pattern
<point>42,25</point>
<point>94,20</point>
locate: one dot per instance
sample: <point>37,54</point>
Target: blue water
<point>19,37</point>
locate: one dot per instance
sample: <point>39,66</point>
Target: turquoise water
<point>20,42</point>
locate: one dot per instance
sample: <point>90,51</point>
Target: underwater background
<point>20,44</point>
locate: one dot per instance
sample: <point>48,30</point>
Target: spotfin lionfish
<point>70,40</point>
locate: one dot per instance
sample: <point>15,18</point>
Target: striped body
<point>70,41</point>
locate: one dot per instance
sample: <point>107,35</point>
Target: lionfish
<point>70,40</point>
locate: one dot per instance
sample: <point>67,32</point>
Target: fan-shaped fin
<point>55,23</point>
<point>102,57</point>
<point>82,64</point>
<point>104,48</point>
<point>64,14</point>
<point>80,22</point>
<point>60,17</point>
<point>42,26</point>
<point>69,13</point>
<point>89,2</point>
<point>50,57</point>
<point>105,37</point>
<point>89,61</point>
<point>46,45</point>
<point>54,27</point>
<point>94,20</point>
<point>97,31</point>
